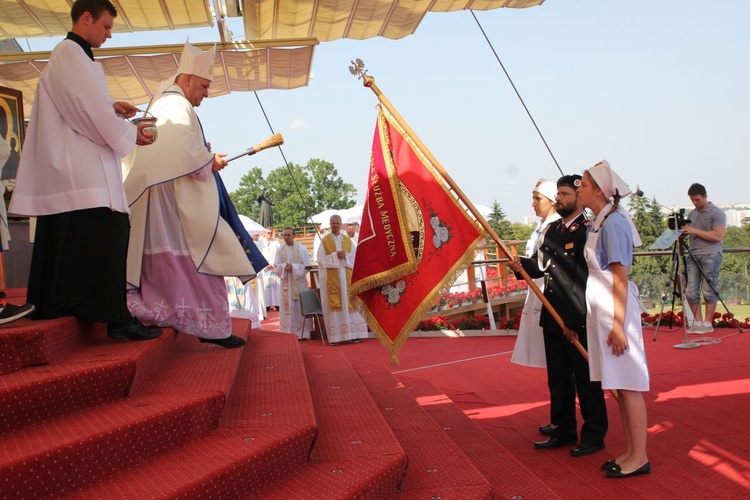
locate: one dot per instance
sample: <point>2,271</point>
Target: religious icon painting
<point>11,132</point>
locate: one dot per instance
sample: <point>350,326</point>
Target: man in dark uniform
<point>561,261</point>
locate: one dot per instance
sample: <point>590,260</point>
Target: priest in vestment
<point>291,266</point>
<point>271,284</point>
<point>180,247</point>
<point>335,263</point>
<point>69,178</point>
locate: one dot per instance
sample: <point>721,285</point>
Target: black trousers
<point>568,374</point>
<point>78,266</point>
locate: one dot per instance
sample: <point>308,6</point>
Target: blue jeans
<point>710,263</point>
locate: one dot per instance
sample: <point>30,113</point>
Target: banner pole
<point>369,82</point>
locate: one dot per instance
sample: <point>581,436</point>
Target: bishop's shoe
<point>132,330</point>
<point>227,343</point>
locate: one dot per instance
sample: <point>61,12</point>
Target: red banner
<point>427,223</point>
<point>383,235</point>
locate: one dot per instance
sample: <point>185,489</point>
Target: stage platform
<point>86,417</point>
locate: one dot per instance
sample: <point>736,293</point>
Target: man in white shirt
<point>70,178</point>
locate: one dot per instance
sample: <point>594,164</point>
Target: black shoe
<point>228,343</point>
<point>553,442</point>
<point>9,312</point>
<point>617,472</point>
<point>302,339</point>
<point>334,344</point>
<point>546,429</point>
<point>584,449</point>
<point>134,330</point>
<point>355,341</point>
<point>610,464</point>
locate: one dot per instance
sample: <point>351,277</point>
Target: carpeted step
<point>96,371</point>
<point>438,468</point>
<point>190,367</point>
<point>32,343</point>
<point>55,458</point>
<point>226,463</point>
<point>508,476</point>
<point>40,393</point>
<point>267,429</point>
<point>355,454</point>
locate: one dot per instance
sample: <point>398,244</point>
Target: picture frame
<point>12,132</point>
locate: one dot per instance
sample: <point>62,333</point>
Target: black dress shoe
<point>355,341</point>
<point>228,343</point>
<point>610,464</point>
<point>553,442</point>
<point>584,449</point>
<point>617,471</point>
<point>133,330</point>
<point>546,429</point>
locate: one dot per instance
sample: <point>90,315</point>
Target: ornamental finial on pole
<point>358,69</point>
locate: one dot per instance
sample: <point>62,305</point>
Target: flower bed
<point>456,299</point>
<point>725,320</point>
<point>467,323</point>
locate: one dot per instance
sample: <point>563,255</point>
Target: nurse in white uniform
<point>529,348</point>
<point>617,356</point>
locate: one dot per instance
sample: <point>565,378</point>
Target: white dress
<point>629,371</point>
<point>529,348</point>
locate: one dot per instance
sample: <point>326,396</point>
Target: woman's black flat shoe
<point>609,464</point>
<point>617,472</point>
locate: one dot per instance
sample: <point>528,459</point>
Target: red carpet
<point>86,417</point>
<point>698,412</point>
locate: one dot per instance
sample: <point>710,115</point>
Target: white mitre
<point>196,62</point>
<point>193,61</point>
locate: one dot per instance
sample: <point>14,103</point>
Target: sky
<point>658,88</point>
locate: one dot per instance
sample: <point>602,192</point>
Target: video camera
<point>677,220</point>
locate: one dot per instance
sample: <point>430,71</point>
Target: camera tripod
<point>676,282</point>
<point>679,282</point>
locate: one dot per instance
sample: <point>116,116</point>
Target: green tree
<point>330,190</point>
<point>245,199</point>
<point>520,232</point>
<point>296,192</point>
<point>497,221</point>
<point>650,224</point>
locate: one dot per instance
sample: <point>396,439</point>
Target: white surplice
<point>243,302</point>
<point>270,280</point>
<point>341,325</point>
<point>291,320</point>
<point>71,156</point>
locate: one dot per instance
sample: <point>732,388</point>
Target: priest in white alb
<point>291,265</point>
<point>271,287</point>
<point>335,263</point>
<point>181,247</point>
<point>69,178</point>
